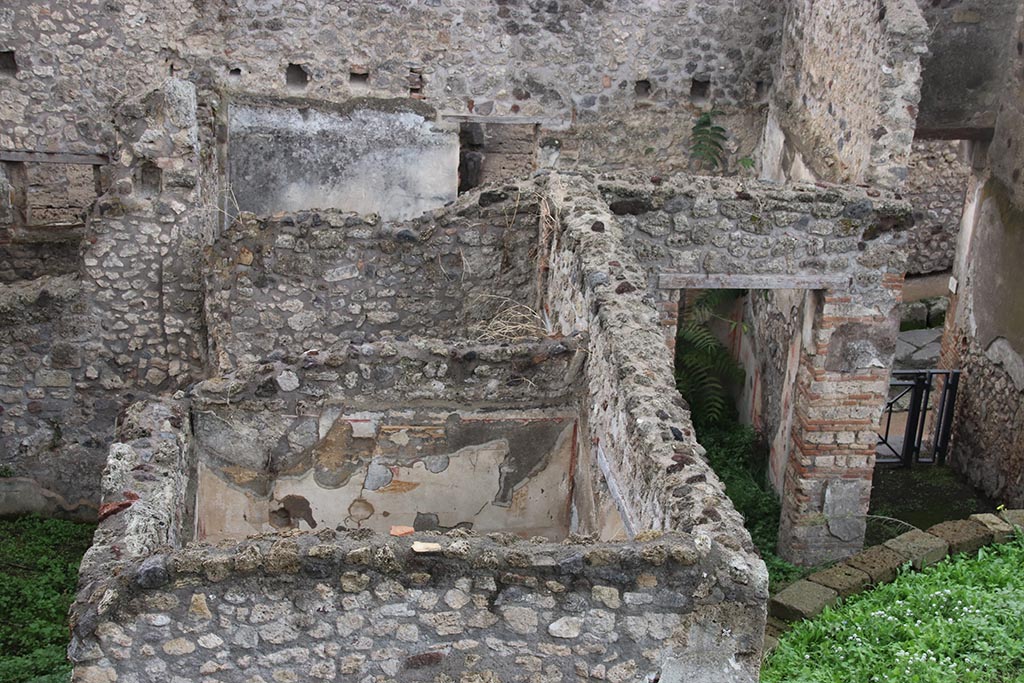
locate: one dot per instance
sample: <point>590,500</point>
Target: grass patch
<point>961,620</point>
<point>39,561</point>
<point>738,461</point>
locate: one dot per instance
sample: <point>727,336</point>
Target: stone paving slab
<point>921,548</point>
<point>801,600</point>
<point>921,338</point>
<point>843,579</point>
<point>962,535</point>
<point>1000,529</point>
<point>878,562</point>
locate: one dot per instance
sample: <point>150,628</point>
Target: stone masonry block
<point>801,600</point>
<point>1013,517</point>
<point>1001,530</point>
<point>921,548</point>
<point>962,535</point>
<point>843,579</point>
<point>878,562</point>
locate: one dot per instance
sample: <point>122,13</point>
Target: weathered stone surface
<point>962,535</point>
<point>879,562</point>
<point>1013,517</point>
<point>801,600</point>
<point>1000,529</point>
<point>842,578</point>
<point>921,548</point>
<point>566,627</point>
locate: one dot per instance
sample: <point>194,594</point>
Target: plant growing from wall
<point>704,367</point>
<point>707,144</point>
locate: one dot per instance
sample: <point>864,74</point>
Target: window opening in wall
<point>296,76</point>
<point>8,64</point>
<point>358,75</point>
<point>416,84</point>
<point>642,88</point>
<point>700,90</point>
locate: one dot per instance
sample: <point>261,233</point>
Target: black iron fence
<point>918,417</point>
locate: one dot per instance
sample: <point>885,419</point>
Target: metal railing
<point>916,391</point>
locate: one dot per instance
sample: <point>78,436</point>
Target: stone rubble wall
<point>935,186</point>
<point>28,252</point>
<point>692,225</point>
<point>643,449</point>
<point>52,429</point>
<point>985,331</point>
<point>846,91</point>
<point>307,280</point>
<point>725,226</point>
<point>776,319</point>
<point>565,62</point>
<point>353,606</point>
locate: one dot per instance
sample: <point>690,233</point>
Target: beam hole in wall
<point>416,84</point>
<point>359,75</point>
<point>760,92</point>
<point>235,74</point>
<point>148,180</point>
<point>700,90</point>
<point>642,89</point>
<point>296,76</point>
<point>8,64</point>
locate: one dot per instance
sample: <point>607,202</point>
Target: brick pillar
<point>841,390</point>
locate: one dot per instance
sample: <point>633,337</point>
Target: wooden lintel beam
<point>54,157</point>
<point>739,281</point>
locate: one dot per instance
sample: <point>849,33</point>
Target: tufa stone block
<point>1001,530</point>
<point>1013,517</point>
<point>962,535</point>
<point>843,579</point>
<point>879,562</point>
<point>921,548</point>
<point>801,600</point>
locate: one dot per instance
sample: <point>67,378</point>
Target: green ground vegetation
<point>961,620</point>
<point>39,561</point>
<point>738,461</point>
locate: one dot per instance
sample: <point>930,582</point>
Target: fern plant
<point>707,144</point>
<point>704,367</point>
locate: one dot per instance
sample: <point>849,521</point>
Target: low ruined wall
<point>847,85</point>
<point>356,607</point>
<point>649,471</point>
<point>295,282</point>
<point>935,187</point>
